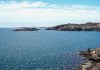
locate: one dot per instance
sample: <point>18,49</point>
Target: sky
<point>44,13</point>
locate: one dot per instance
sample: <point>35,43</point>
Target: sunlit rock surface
<point>92,59</point>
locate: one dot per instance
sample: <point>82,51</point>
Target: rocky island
<point>92,59</point>
<point>25,29</point>
<point>89,26</point>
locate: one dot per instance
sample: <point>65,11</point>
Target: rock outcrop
<point>89,26</point>
<point>92,59</point>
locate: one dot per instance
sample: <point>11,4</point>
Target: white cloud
<point>45,14</point>
<point>17,6</point>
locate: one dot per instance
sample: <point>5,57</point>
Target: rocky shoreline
<point>89,26</point>
<point>92,59</point>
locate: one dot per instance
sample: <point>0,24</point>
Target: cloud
<point>18,6</point>
<point>44,14</point>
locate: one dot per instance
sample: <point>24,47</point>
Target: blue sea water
<point>44,49</point>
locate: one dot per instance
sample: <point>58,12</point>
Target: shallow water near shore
<point>44,49</point>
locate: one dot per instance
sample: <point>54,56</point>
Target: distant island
<point>26,29</point>
<point>89,26</point>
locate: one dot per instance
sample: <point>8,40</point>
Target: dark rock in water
<point>77,27</point>
<point>26,29</point>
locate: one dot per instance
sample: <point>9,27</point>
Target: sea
<point>44,49</point>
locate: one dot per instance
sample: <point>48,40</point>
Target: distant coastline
<point>89,26</point>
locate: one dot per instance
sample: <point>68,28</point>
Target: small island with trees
<point>26,29</point>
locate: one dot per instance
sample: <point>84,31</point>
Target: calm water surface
<point>44,50</point>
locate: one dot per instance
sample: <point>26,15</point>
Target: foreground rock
<point>89,26</point>
<point>92,59</point>
<point>25,29</point>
